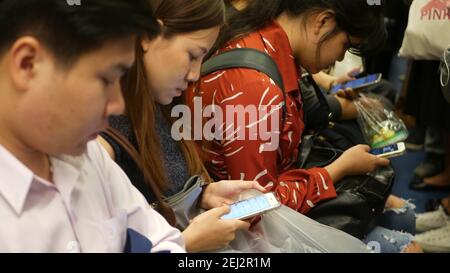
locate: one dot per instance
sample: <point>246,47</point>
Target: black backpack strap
<point>316,109</point>
<point>246,58</point>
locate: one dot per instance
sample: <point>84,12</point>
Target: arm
<point>324,80</point>
<point>226,192</point>
<point>207,231</point>
<point>298,189</point>
<point>341,105</point>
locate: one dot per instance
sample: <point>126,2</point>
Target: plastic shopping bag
<point>425,37</point>
<point>445,74</point>
<point>378,121</point>
<point>284,230</point>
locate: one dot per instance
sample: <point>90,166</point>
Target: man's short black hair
<point>69,30</point>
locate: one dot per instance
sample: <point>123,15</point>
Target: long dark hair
<point>355,17</point>
<point>178,16</point>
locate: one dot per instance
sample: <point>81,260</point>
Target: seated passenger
<point>310,34</point>
<point>59,83</point>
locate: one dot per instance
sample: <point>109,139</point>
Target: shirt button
<point>73,247</point>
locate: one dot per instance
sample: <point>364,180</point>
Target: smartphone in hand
<point>393,150</point>
<point>249,208</point>
<point>358,83</point>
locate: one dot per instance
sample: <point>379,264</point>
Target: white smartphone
<point>249,208</point>
<point>393,150</point>
<point>358,84</point>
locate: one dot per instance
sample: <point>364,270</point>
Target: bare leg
<point>446,204</point>
<point>413,248</point>
<point>394,202</point>
<point>442,179</point>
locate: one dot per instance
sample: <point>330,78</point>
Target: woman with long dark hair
<point>164,67</point>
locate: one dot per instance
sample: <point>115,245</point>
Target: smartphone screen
<point>385,150</point>
<point>249,208</point>
<point>362,82</point>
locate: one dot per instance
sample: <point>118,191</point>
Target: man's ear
<point>24,54</point>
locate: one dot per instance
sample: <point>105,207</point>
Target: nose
<point>194,72</point>
<point>116,103</point>
<point>342,56</point>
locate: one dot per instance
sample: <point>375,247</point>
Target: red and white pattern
<point>246,159</point>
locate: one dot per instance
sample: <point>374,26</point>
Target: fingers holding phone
<point>208,231</point>
<point>390,151</point>
<point>358,84</point>
<point>355,72</point>
<point>350,76</point>
<point>252,207</point>
<point>355,161</point>
<point>226,192</point>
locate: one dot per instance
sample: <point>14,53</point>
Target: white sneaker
<point>435,241</point>
<point>431,220</point>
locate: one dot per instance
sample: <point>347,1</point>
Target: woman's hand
<point>208,231</point>
<point>348,93</point>
<point>350,76</point>
<point>225,192</point>
<point>355,161</point>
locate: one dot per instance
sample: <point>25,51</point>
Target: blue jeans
<point>395,230</point>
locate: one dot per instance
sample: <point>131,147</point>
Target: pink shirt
<point>91,207</point>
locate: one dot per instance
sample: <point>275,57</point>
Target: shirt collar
<point>15,180</point>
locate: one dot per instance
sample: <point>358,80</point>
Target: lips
<point>179,91</point>
<point>102,129</point>
<point>94,136</point>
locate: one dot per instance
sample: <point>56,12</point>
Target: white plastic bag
<point>284,230</point>
<point>427,34</point>
<point>445,74</point>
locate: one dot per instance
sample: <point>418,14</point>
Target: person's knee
<point>413,247</point>
<point>384,240</point>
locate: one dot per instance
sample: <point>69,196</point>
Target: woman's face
<point>172,63</point>
<point>313,53</point>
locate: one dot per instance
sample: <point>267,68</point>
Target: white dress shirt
<point>91,207</point>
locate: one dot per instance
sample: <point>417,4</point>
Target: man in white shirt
<point>60,67</point>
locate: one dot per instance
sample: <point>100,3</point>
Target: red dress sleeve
<point>246,159</point>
